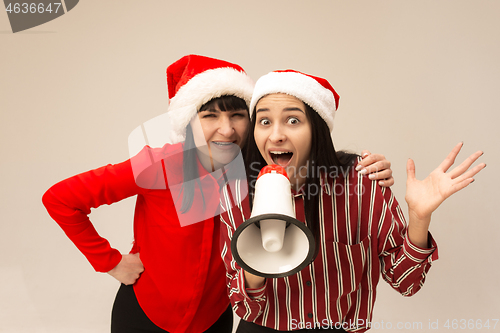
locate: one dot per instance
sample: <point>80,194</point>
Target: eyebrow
<point>215,110</point>
<point>285,109</point>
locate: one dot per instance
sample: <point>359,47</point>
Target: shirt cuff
<point>252,293</point>
<point>418,254</point>
<point>256,293</point>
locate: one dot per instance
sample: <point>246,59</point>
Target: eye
<point>208,115</point>
<point>292,121</point>
<point>264,121</point>
<point>239,115</point>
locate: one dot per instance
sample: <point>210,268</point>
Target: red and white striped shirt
<point>363,234</point>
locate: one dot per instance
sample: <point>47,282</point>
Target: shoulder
<point>172,149</point>
<point>151,165</point>
<point>348,181</point>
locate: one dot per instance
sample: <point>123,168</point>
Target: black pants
<point>248,327</point>
<point>128,317</point>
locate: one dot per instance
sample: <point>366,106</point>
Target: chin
<point>226,157</point>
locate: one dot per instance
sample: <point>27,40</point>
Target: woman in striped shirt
<point>360,229</point>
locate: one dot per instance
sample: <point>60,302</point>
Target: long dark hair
<point>322,157</point>
<point>189,164</point>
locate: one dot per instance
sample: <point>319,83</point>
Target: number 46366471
<point>32,8</point>
<point>470,324</point>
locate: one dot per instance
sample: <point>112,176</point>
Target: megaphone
<point>272,243</point>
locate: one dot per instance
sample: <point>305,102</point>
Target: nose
<point>226,127</point>
<point>277,135</point>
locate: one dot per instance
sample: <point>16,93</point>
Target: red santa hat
<point>312,90</point>
<point>194,80</point>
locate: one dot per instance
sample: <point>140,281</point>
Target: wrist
<point>418,229</point>
<point>420,219</point>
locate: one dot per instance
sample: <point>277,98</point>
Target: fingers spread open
<point>465,165</point>
<point>460,185</point>
<point>471,173</point>
<point>450,159</point>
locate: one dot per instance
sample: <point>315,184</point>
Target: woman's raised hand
<point>128,270</point>
<point>425,196</point>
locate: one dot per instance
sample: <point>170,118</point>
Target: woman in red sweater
<point>173,279</point>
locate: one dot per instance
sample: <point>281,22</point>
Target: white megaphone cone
<point>273,243</point>
<point>272,196</point>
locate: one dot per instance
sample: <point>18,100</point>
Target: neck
<point>207,161</point>
<point>299,178</point>
<point>297,182</point>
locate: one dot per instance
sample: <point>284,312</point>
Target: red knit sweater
<point>182,288</point>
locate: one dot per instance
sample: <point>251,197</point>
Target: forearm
<point>253,281</point>
<point>70,201</point>
<point>404,261</point>
<point>247,302</point>
<point>405,265</point>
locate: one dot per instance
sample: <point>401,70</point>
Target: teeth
<point>274,155</point>
<point>223,143</point>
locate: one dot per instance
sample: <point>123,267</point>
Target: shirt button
<point>310,315</point>
<point>308,283</point>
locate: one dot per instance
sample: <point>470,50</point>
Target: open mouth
<point>281,158</point>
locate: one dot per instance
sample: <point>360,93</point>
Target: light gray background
<point>415,77</point>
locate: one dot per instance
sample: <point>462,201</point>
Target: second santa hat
<point>312,90</point>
